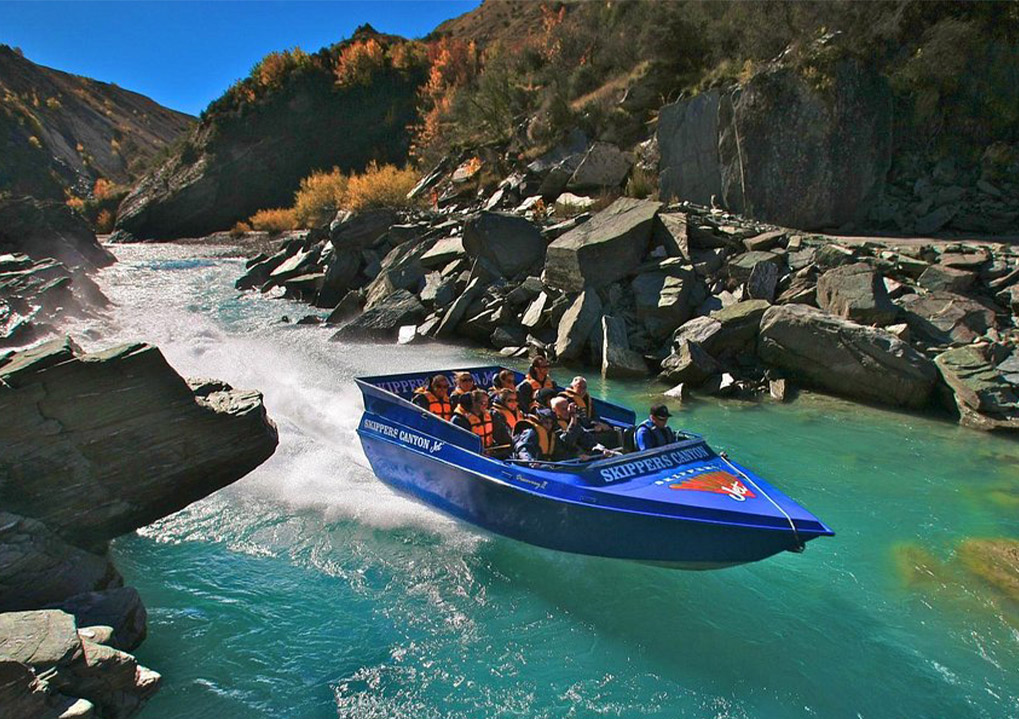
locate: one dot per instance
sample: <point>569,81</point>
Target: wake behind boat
<point>682,505</point>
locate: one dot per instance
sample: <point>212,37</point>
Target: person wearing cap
<point>654,431</point>
<point>537,378</point>
<point>543,398</point>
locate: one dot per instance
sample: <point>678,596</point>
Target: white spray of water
<point>189,309</point>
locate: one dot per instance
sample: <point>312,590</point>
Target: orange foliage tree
<point>358,63</point>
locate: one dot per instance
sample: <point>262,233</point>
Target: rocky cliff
<point>47,253</point>
<point>93,446</point>
<point>60,132</point>
<point>254,145</point>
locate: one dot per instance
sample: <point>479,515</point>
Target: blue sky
<point>185,53</point>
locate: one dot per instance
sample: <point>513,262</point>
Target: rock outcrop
<point>845,358</point>
<point>96,445</point>
<point>983,378</point>
<point>49,665</point>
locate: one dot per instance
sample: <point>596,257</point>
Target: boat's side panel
<point>502,504</point>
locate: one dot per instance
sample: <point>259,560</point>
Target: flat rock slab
<point>945,317</point>
<point>510,243</point>
<point>845,358</point>
<point>984,395</point>
<point>604,249</point>
<point>384,320</point>
<point>96,445</point>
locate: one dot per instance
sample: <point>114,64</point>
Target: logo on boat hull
<point>402,435</point>
<point>717,482</point>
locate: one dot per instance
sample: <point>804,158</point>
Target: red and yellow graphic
<point>717,482</point>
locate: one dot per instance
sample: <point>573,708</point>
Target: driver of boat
<point>435,397</point>
<point>464,385</point>
<point>655,430</point>
<point>472,414</point>
<point>537,378</point>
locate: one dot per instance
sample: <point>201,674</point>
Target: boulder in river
<point>834,354</point>
<point>604,249</point>
<point>96,445</point>
<point>617,359</point>
<point>577,323</point>
<point>985,395</point>
<point>384,319</point>
<point>38,568</point>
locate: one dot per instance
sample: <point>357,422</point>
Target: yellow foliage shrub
<point>102,189</point>
<point>274,68</point>
<point>239,229</point>
<point>75,203</point>
<point>276,220</point>
<point>379,186</point>
<point>319,197</point>
<point>104,222</point>
<point>358,63</point>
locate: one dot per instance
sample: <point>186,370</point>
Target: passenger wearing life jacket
<point>538,440</point>
<point>654,431</point>
<point>464,385</point>
<point>577,393</point>
<point>537,378</point>
<point>435,397</point>
<point>472,414</point>
<point>505,415</point>
<point>580,441</point>
<point>504,380</point>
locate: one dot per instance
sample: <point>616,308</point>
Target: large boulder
<point>96,445</point>
<point>38,569</point>
<point>689,364</point>
<point>805,156</point>
<point>509,242</point>
<point>604,249</point>
<point>351,231</point>
<point>603,166</point>
<point>120,608</point>
<point>947,318</point>
<point>728,331</point>
<point>617,359</point>
<point>401,269</point>
<point>687,135</point>
<point>856,292</point>
<point>577,324</point>
<point>384,319</point>
<point>49,644</point>
<point>834,354</point>
<point>662,299</point>
<point>986,396</point>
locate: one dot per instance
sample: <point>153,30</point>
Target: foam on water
<point>308,589</point>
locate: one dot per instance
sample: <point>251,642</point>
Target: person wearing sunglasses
<point>505,415</point>
<point>537,378</point>
<point>464,385</point>
<point>434,397</point>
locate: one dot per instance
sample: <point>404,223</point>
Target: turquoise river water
<point>310,590</point>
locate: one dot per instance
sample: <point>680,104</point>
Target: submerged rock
<point>96,445</point>
<point>848,359</point>
<point>996,561</point>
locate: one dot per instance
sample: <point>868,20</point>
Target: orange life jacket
<point>511,417</point>
<point>481,426</point>
<point>537,384</point>
<point>441,407</point>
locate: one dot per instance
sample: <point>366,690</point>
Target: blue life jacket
<point>648,436</point>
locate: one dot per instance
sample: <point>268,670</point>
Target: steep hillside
<point>344,106</point>
<point>59,132</point>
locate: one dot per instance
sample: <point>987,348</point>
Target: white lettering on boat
<point>402,435</point>
<point>654,464</point>
<point>404,387</point>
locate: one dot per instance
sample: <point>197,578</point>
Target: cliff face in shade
<point>96,445</point>
<point>250,155</point>
<point>60,131</point>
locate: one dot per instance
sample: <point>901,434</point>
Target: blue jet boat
<point>683,505</point>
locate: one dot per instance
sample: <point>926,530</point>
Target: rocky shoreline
<point>703,298</point>
<point>96,445</point>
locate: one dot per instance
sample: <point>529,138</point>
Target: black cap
<point>545,414</point>
<point>545,395</point>
<point>660,410</point>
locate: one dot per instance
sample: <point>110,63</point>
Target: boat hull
<point>499,504</point>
